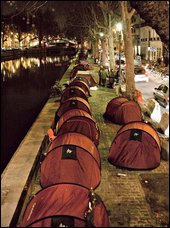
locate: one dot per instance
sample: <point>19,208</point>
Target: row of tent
<point>71,169</point>
<point>137,144</point>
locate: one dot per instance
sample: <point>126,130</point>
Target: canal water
<point>25,88</point>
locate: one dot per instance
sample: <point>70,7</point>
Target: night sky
<point>58,6</point>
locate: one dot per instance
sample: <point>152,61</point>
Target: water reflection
<point>25,88</point>
<point>12,67</point>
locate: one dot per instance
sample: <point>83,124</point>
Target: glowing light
<point>101,34</point>
<point>119,27</point>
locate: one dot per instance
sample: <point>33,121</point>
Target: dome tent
<point>122,111</point>
<point>87,75</point>
<point>78,121</point>
<point>136,146</point>
<point>73,91</point>
<point>76,103</point>
<point>71,158</point>
<point>65,205</point>
<point>82,83</point>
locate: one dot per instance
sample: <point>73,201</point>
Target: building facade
<point>146,41</point>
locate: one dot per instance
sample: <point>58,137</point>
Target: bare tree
<point>127,34</point>
<point>106,22</point>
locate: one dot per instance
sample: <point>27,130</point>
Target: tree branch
<point>133,11</point>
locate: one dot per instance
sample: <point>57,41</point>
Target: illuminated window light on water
<point>13,70</point>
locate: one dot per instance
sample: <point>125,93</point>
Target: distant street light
<point>101,34</point>
<point>119,29</point>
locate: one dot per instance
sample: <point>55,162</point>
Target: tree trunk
<point>96,49</point>
<point>111,46</point>
<point>130,84</point>
<point>104,51</point>
<point>127,34</point>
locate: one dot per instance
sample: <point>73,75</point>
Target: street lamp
<point>119,29</point>
<point>101,34</point>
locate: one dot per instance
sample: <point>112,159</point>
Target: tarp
<point>136,146</point>
<point>122,111</point>
<point>64,205</point>
<point>73,91</point>
<point>78,121</point>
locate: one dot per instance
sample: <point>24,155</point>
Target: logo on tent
<point>69,152</point>
<point>136,135</point>
<point>62,225</point>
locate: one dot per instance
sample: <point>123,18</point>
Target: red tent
<point>87,75</point>
<point>73,91</point>
<point>79,78</point>
<point>65,205</point>
<point>82,84</point>
<point>121,111</point>
<point>79,121</point>
<point>74,103</point>
<point>136,146</point>
<point>81,66</point>
<point>71,158</point>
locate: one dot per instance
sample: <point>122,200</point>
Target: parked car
<point>141,74</point>
<point>161,94</point>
